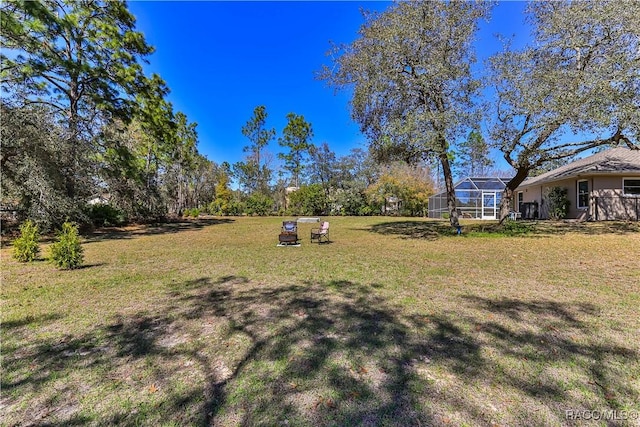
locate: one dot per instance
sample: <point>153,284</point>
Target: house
<point>392,205</point>
<point>603,186</point>
<point>476,197</point>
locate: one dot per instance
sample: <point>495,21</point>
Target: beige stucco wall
<point>536,194</point>
<point>609,202</point>
<point>606,201</point>
<point>608,185</point>
<point>529,195</point>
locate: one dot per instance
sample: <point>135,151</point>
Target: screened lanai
<point>477,198</point>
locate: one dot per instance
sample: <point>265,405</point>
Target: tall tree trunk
<point>73,141</point>
<point>507,195</point>
<point>451,191</point>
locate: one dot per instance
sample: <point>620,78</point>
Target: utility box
<point>529,210</point>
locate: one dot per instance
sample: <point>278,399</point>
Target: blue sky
<point>221,59</point>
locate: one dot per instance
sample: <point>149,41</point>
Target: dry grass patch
<point>396,322</point>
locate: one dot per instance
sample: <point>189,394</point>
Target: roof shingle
<point>617,161</point>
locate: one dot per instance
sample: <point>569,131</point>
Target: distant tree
<point>223,203</point>
<point>473,156</point>
<point>296,136</point>
<point>246,173</point>
<point>578,76</point>
<point>259,204</point>
<point>183,155</point>
<point>203,182</point>
<point>123,171</point>
<point>256,169</point>
<point>410,70</point>
<point>145,161</point>
<point>355,172</point>
<point>358,166</point>
<point>322,167</point>
<point>156,140</point>
<point>410,185</point>
<point>308,200</point>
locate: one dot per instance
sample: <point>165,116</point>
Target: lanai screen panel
<point>469,193</point>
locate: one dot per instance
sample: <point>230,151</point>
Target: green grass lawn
<point>396,322</point>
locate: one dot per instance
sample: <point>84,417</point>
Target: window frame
<point>624,193</point>
<point>578,194</point>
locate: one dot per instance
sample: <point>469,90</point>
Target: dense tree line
<point>81,120</point>
<point>318,182</point>
<point>82,123</point>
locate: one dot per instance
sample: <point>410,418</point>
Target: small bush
<point>194,213</point>
<point>66,252</point>
<point>558,203</point>
<point>26,247</point>
<point>104,215</point>
<point>516,228</point>
<point>259,204</point>
<point>236,208</point>
<point>365,211</point>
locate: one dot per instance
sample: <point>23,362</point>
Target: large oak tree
<point>413,88</point>
<point>579,76</point>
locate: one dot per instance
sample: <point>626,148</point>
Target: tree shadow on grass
<point>427,230</point>
<point>117,233</point>
<point>30,320</point>
<point>433,230</point>
<point>231,351</point>
<point>587,228</point>
<point>560,338</point>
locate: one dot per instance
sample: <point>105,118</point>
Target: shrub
<point>66,252</point>
<point>195,213</point>
<point>236,208</point>
<point>308,200</point>
<point>516,228</point>
<point>226,207</point>
<point>104,215</point>
<point>558,203</point>
<point>259,204</point>
<point>365,211</point>
<point>26,247</point>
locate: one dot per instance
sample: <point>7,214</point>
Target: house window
<point>583,194</point>
<point>631,186</point>
<point>520,201</point>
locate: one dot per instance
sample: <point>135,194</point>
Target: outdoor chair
<point>289,233</point>
<point>320,234</point>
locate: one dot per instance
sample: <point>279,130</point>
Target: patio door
<point>489,206</point>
